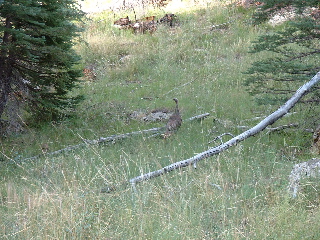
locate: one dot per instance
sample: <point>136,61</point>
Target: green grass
<point>58,197</point>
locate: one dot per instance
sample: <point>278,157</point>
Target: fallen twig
<point>199,117</point>
<point>220,137</point>
<point>282,127</point>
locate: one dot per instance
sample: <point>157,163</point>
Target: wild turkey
<point>316,139</point>
<point>174,121</point>
<point>168,18</point>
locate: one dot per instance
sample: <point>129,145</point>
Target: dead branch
<point>310,168</point>
<point>64,150</point>
<point>279,128</point>
<point>283,110</point>
<point>110,139</point>
<point>199,117</point>
<point>220,137</point>
<point>114,138</point>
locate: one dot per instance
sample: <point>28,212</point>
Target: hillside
<point>239,194</point>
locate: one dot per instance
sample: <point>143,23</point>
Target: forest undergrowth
<point>238,194</point>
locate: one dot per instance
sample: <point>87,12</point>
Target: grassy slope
<point>57,197</point>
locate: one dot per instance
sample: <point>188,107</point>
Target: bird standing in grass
<point>174,121</point>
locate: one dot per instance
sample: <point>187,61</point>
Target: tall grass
<point>239,194</point>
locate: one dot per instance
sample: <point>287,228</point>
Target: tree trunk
<point>5,68</point>
<point>283,110</point>
<point>4,93</point>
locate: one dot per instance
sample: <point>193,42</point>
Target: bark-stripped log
<point>112,138</point>
<point>283,110</point>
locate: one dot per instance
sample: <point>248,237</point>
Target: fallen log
<point>152,130</point>
<point>112,138</point>
<point>269,120</point>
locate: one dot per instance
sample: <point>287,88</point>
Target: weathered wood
<point>279,128</point>
<point>283,110</point>
<point>198,117</point>
<point>112,138</point>
<point>220,137</point>
<point>152,130</point>
<point>300,171</point>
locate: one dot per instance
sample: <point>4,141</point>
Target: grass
<point>239,194</point>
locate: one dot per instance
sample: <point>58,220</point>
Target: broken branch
<point>111,138</point>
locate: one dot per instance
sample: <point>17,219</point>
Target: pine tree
<point>293,49</point>
<point>37,61</point>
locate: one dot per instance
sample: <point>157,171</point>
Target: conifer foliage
<point>293,51</point>
<point>37,62</point>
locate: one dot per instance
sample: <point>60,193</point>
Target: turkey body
<point>174,121</point>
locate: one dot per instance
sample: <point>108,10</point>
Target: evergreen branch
<point>302,55</point>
